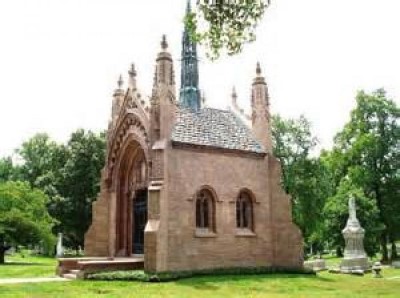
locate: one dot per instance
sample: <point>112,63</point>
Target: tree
<point>24,219</point>
<point>69,175</point>
<point>6,169</point>
<point>367,151</point>
<point>81,183</point>
<point>220,24</point>
<point>42,160</point>
<point>293,143</point>
<point>306,179</point>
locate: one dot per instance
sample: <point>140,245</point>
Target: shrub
<point>140,275</point>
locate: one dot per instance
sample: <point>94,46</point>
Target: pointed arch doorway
<point>131,201</point>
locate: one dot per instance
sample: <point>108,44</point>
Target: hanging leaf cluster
<point>225,25</point>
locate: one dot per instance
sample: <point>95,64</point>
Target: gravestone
<point>355,258</point>
<point>316,265</point>
<point>60,248</point>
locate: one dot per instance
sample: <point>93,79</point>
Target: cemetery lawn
<point>29,266</point>
<point>268,285</point>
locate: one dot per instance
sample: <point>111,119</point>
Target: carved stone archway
<point>127,177</point>
<point>131,177</point>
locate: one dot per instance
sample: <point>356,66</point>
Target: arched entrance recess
<point>131,199</point>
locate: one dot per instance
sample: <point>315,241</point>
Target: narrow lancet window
<point>244,212</point>
<point>205,210</point>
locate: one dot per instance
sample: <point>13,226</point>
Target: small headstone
<point>316,265</point>
<point>10,251</point>
<point>396,264</point>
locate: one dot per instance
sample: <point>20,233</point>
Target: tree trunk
<point>339,252</point>
<point>385,255</point>
<point>2,253</point>
<point>384,235</point>
<point>393,255</point>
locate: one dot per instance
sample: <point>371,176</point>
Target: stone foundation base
<point>350,265</point>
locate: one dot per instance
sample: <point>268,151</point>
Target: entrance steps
<point>72,268</point>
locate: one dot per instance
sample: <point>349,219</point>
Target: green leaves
<point>225,25</point>
<point>68,175</point>
<point>80,183</point>
<point>23,215</point>
<point>6,169</point>
<point>305,178</point>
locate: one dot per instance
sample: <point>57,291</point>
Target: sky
<point>60,60</point>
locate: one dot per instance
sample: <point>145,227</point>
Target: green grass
<point>267,285</point>
<point>18,266</point>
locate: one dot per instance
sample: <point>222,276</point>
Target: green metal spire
<point>189,93</point>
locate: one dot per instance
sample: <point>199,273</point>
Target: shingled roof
<point>214,128</point>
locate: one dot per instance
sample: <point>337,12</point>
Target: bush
<point>140,275</point>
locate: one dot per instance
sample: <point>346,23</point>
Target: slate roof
<point>214,128</point>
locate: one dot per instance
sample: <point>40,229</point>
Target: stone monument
<point>60,248</point>
<point>355,258</point>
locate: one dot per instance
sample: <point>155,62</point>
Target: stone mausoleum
<point>191,187</point>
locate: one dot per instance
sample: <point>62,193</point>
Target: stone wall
<point>275,241</point>
<point>288,241</point>
<point>97,237</point>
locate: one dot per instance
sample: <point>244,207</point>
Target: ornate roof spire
<point>189,92</point>
<point>164,44</point>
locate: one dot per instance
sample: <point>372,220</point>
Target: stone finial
<point>164,44</point>
<point>132,71</point>
<point>120,82</point>
<point>258,69</point>
<point>234,94</point>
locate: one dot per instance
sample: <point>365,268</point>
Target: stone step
<point>70,276</point>
<point>74,271</point>
<point>79,266</point>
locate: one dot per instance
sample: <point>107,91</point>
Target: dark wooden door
<point>139,220</point>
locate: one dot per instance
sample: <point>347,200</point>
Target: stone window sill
<point>204,233</point>
<point>245,233</point>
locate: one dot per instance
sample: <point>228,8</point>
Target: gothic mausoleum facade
<point>191,187</point>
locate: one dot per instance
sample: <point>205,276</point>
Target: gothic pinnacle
<point>258,69</point>
<point>132,71</point>
<point>234,94</point>
<point>120,82</point>
<point>164,44</point>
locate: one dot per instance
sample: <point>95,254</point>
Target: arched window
<point>244,211</point>
<point>205,210</point>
